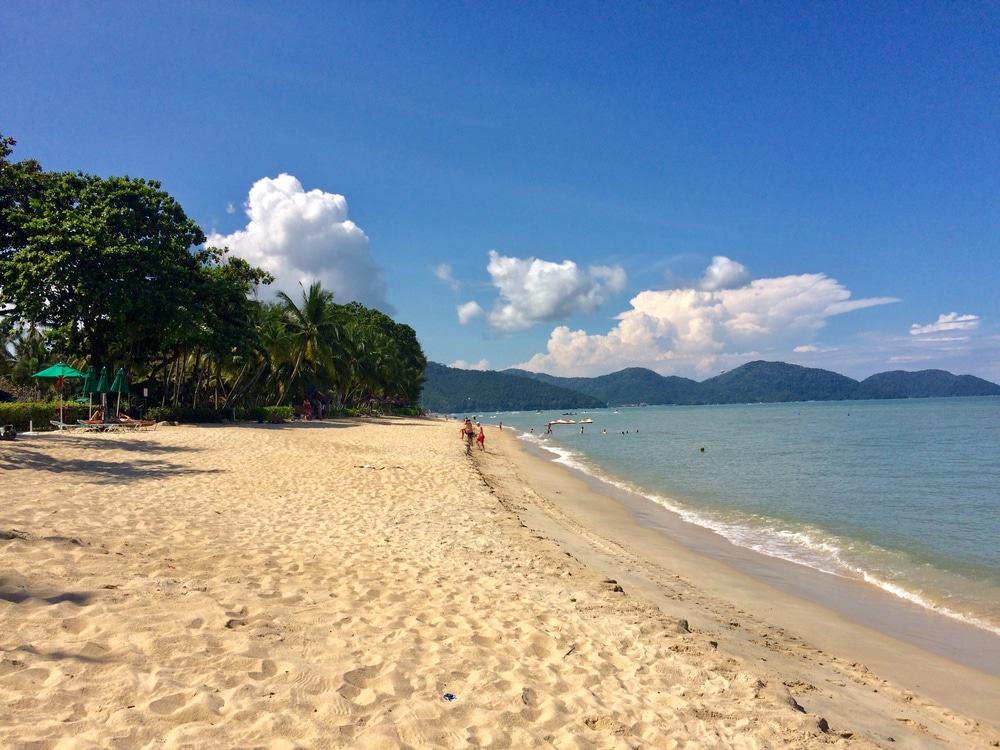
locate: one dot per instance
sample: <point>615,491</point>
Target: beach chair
<point>136,424</point>
<point>91,426</point>
<point>63,425</point>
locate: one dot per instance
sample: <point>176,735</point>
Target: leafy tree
<point>106,265</point>
<point>20,182</point>
<point>111,271</point>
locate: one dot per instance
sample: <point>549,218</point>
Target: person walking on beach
<point>481,438</point>
<point>467,435</point>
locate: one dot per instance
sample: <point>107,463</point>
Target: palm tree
<point>314,329</point>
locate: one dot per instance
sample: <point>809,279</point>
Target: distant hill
<point>753,382</point>
<point>633,385</point>
<point>759,381</point>
<point>924,384</point>
<point>451,390</point>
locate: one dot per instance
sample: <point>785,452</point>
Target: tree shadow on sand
<point>94,469</point>
<point>20,595</point>
<point>94,443</point>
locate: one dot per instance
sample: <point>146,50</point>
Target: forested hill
<point>753,382</point>
<point>776,381</point>
<point>633,385</point>
<point>451,390</point>
<point>924,384</point>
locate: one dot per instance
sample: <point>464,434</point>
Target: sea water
<point>903,494</point>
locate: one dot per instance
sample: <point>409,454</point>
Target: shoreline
<point>972,643</point>
<point>717,538</point>
<point>655,548</point>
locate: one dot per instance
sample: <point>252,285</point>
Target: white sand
<point>324,586</point>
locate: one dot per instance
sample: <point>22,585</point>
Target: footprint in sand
<point>267,669</point>
<point>168,704</point>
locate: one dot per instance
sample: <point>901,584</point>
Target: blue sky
<point>837,166</point>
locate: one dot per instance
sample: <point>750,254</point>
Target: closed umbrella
<point>89,382</point>
<point>102,388</point>
<point>119,386</point>
<point>60,371</point>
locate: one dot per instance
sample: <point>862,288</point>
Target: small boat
<point>563,421</point>
<point>588,420</point>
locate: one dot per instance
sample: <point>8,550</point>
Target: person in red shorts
<point>481,437</point>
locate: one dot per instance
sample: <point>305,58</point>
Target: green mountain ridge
<point>452,390</point>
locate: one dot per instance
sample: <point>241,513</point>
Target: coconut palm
<point>314,329</point>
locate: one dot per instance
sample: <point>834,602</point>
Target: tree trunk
<point>197,378</point>
<point>167,370</point>
<point>179,379</point>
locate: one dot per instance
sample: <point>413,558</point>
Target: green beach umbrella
<point>89,381</point>
<point>119,385</point>
<point>102,387</point>
<point>60,371</point>
<point>102,382</point>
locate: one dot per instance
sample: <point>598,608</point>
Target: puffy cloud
<point>469,311</point>
<point>698,330</point>
<point>483,364</point>
<point>304,236</point>
<point>947,322</point>
<point>443,272</point>
<point>724,273</point>
<point>534,290</point>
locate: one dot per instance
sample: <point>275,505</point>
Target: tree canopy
<point>111,271</point>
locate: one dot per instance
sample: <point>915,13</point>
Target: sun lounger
<point>63,425</point>
<point>136,424</point>
<point>91,426</point>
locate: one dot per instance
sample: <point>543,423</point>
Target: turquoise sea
<point>902,494</point>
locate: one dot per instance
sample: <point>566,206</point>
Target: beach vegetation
<point>110,271</point>
<point>25,414</point>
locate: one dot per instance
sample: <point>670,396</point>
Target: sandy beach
<point>327,585</point>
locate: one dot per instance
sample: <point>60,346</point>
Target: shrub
<point>22,413</point>
<point>187,414</point>
<point>206,414</point>
<point>407,411</point>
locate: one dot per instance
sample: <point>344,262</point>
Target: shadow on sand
<point>95,469</point>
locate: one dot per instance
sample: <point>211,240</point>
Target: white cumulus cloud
<point>468,311</point>
<point>483,364</point>
<point>724,273</point>
<point>444,272</point>
<point>947,322</point>
<point>302,236</point>
<point>696,330</point>
<point>533,290</point>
